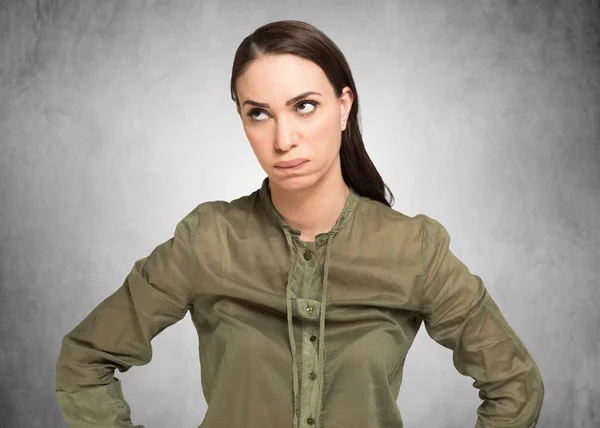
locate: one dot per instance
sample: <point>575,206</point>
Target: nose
<point>285,136</point>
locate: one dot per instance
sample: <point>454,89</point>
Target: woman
<point>308,293</point>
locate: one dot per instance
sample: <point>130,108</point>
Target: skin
<point>311,198</point>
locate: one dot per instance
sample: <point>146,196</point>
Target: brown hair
<point>306,41</point>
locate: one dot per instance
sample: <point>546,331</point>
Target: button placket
<point>309,311</point>
<point>310,388</point>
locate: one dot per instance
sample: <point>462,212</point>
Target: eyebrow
<point>288,102</point>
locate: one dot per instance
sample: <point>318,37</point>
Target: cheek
<point>261,143</point>
<point>325,134</point>
<point>258,139</point>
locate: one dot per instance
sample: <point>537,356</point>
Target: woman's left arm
<point>460,315</point>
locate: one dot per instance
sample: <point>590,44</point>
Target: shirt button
<point>309,309</point>
<point>312,375</point>
<point>313,338</point>
<point>307,255</point>
<point>310,421</point>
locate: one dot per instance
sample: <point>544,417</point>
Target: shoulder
<point>433,233</point>
<point>374,215</point>
<point>211,214</point>
<point>420,231</point>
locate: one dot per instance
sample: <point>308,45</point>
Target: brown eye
<point>307,103</point>
<point>252,116</point>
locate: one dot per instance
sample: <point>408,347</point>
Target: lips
<point>290,164</point>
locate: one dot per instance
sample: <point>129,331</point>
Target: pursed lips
<point>291,164</point>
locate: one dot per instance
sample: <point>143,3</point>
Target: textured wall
<point>115,120</point>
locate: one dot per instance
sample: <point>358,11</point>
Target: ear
<point>346,101</point>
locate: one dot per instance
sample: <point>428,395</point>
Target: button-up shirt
<point>299,334</point>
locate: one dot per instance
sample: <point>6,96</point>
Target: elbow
<point>66,371</point>
<point>80,366</point>
<point>531,397</point>
<point>536,389</point>
<point>515,402</point>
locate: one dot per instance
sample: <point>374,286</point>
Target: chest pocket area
<point>252,337</point>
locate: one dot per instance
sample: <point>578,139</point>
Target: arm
<point>117,333</point>
<point>460,315</point>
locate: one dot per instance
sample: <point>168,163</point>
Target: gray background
<point>115,121</point>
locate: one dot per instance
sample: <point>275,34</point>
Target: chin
<point>295,182</point>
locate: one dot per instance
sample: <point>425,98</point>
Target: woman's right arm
<point>117,333</point>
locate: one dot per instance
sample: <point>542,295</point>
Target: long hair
<point>306,41</point>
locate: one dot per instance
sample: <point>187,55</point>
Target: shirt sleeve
<point>117,333</point>
<point>460,315</point>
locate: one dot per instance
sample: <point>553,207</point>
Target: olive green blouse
<point>299,334</point>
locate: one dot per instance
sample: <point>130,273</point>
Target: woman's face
<point>284,125</point>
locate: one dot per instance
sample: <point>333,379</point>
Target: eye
<point>252,114</point>
<point>313,105</point>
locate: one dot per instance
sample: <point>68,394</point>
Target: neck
<point>314,209</point>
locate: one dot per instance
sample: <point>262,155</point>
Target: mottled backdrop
<point>484,115</point>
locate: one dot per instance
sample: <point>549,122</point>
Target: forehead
<point>276,78</point>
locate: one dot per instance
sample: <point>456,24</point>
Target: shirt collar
<point>264,195</point>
